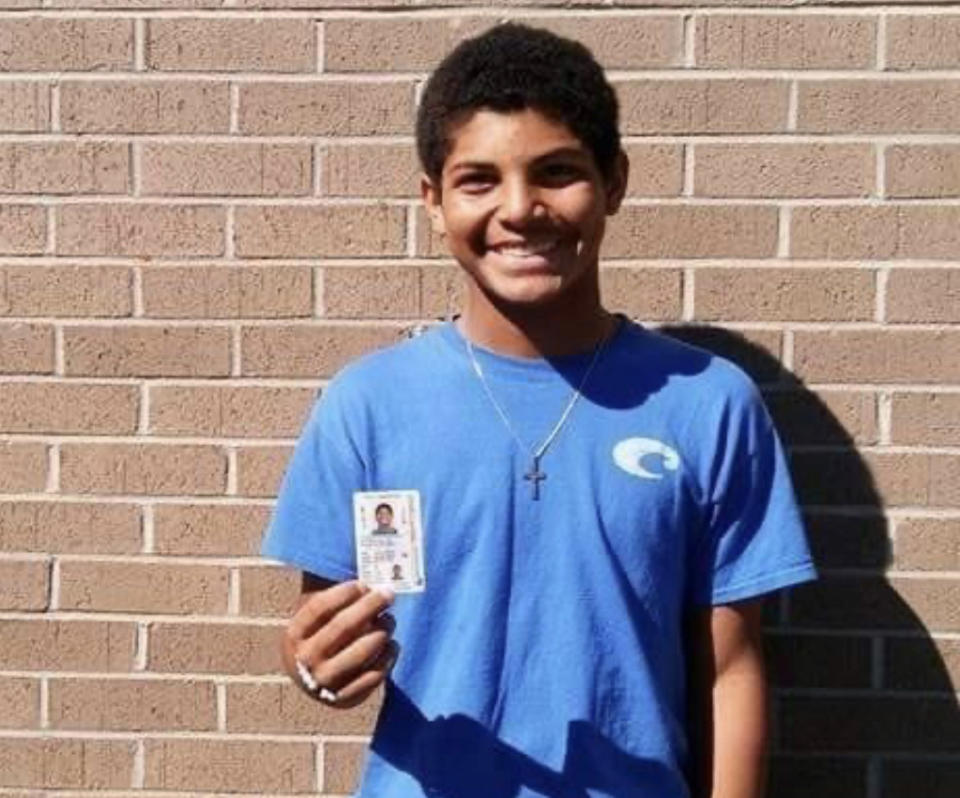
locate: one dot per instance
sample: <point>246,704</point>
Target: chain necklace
<point>535,476</point>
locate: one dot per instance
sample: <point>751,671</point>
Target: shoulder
<point>688,371</point>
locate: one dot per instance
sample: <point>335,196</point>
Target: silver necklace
<point>535,476</point>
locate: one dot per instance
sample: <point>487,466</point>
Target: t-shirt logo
<point>637,456</point>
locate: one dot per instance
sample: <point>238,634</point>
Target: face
<point>384,516</point>
<point>522,205</point>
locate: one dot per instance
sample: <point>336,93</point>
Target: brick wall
<point>207,207</point>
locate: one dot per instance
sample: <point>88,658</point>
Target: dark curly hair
<point>512,67</point>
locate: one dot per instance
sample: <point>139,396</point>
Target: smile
<point>526,249</point>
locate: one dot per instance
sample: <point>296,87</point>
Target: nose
<point>520,202</point>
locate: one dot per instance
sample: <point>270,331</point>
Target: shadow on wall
<point>863,697</point>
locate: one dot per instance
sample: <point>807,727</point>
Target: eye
<point>560,173</point>
<point>474,182</point>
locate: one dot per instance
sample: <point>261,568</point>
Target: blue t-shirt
<point>545,657</point>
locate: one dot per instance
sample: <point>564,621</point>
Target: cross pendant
<point>536,476</point>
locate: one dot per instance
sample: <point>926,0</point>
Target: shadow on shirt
<point>468,761</point>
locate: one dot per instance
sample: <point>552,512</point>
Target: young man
<point>602,505</point>
<point>384,516</point>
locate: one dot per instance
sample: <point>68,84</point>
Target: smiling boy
<point>603,506</point>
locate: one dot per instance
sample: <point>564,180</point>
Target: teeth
<point>526,250</point>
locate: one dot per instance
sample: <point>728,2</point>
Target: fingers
<point>323,606</point>
<point>345,665</point>
<point>358,690</point>
<point>344,627</point>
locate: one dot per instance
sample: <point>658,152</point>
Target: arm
<point>728,700</point>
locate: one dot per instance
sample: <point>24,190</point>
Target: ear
<point>430,192</point>
<point>617,186</point>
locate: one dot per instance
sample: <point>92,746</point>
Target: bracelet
<point>325,694</point>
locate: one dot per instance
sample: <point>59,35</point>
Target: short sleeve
<point>753,541</point>
<point>311,527</point>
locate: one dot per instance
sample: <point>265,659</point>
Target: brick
<point>875,233</point>
<point>154,106</point>
<point>826,417</point>
<point>891,356</point>
<point>143,587</point>
<point>283,709</point>
<point>664,106</point>
<point>25,106</point>
<point>825,777</point>
<point>846,723</point>
<point>227,169</point>
<point>921,663</point>
<point>248,411</point>
<point>66,45</point>
<point>878,106</point>
<point>656,170</point>
<point>24,584</point>
<point>147,351</point>
<point>64,763</point>
<point>147,469</point>
<point>923,295</point>
<point>324,231</point>
<point>761,41</point>
<point>196,529</point>
<point>132,705</point>
<point>371,292</point>
<point>68,408</point>
<point>342,766</point>
<point>229,45</point>
<point>691,231</point>
<point>927,777</point>
<point>268,591</point>
<point>928,544</point>
<point>784,170</point>
<point>642,293</point>
<point>371,170</point>
<point>818,661</point>
<point>64,167</point>
<point>66,291</point>
<point>755,351</point>
<point>224,292</point>
<point>260,469</point>
<point>69,527</point>
<point>229,765</point>
<point>23,229</point>
<point>618,42</point>
<point>931,419</point>
<point>20,702</point>
<point>442,291</point>
<point>922,170</point>
<point>848,541</point>
<point>898,479</point>
<point>326,109</point>
<point>67,645</point>
<point>873,603</point>
<point>314,351</point>
<point>214,648</point>
<point>23,467</point>
<point>26,348</point>
<point>141,230</point>
<point>923,42</point>
<point>790,294</point>
<point>381,45</point>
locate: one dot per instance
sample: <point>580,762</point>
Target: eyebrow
<point>560,152</point>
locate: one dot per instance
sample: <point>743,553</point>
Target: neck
<point>561,328</point>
